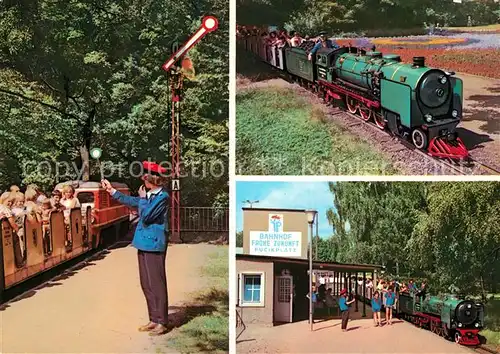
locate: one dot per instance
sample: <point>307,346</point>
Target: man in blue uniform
<point>344,308</point>
<point>150,239</point>
<point>323,42</point>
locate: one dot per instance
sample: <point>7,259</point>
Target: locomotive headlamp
<point>477,324</point>
<point>469,306</point>
<point>459,324</point>
<point>428,118</point>
<point>454,113</point>
<point>443,80</point>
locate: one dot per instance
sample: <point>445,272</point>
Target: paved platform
<point>361,337</point>
<point>97,309</point>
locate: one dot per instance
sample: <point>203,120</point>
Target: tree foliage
<point>84,73</point>
<point>448,233</point>
<point>312,16</point>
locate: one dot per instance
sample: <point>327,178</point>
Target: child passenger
<point>376,307</point>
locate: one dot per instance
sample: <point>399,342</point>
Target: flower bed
<point>428,41</point>
<point>472,53</point>
<point>471,61</point>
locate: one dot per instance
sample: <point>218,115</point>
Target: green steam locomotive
<point>445,315</point>
<point>410,100</point>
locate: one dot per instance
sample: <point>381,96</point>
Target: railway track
<point>467,167</point>
<point>481,349</point>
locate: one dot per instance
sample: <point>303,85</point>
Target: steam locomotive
<point>412,101</point>
<point>445,315</point>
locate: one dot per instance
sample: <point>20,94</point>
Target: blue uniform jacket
<point>152,229</point>
<point>318,45</point>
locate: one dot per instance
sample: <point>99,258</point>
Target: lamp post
<point>311,215</point>
<point>251,202</point>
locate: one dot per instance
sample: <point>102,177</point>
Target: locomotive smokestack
<point>418,62</point>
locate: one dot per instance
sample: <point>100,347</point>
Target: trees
<point>312,16</point>
<point>87,73</point>
<point>447,232</point>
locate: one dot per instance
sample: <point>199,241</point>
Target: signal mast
<point>209,24</point>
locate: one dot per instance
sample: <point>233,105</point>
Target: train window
<point>85,197</point>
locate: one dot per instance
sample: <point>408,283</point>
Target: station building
<point>272,268</point>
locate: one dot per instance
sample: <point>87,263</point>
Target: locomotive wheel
<point>379,120</point>
<point>419,139</point>
<point>458,337</point>
<point>352,105</point>
<point>365,112</point>
<point>446,332</point>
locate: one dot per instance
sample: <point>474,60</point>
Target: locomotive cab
<point>325,60</point>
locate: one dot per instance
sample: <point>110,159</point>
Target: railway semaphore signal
<point>208,24</point>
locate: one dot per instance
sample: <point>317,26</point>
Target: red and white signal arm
<point>208,24</point>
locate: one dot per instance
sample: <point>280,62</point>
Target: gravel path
<point>98,308</point>
<point>361,337</point>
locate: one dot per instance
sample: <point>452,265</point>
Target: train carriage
<point>41,248</point>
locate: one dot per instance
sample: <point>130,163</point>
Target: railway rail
<point>482,349</point>
<point>466,167</point>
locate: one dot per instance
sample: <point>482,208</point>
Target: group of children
<point>383,295</point>
<point>36,207</point>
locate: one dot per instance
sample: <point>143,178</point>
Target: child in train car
<point>56,201</point>
<point>40,196</point>
<point>376,308</point>
<point>17,204</point>
<point>296,41</point>
<point>282,42</point>
<point>19,210</point>
<point>46,209</point>
<point>32,209</point>
<point>69,201</point>
<point>390,302</point>
<point>411,286</point>
<point>403,288</point>
<point>7,199</point>
<point>344,308</point>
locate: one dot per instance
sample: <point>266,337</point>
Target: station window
<point>252,289</point>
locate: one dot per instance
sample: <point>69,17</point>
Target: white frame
<point>261,303</point>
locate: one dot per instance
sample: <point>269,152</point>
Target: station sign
<point>275,242</point>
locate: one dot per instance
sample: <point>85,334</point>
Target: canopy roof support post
<point>356,292</point>
<point>364,295</point>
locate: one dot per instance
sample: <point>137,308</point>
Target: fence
<point>199,224</point>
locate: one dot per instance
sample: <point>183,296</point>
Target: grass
<point>281,133</point>
<point>493,28</point>
<point>492,322</point>
<point>207,326</point>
